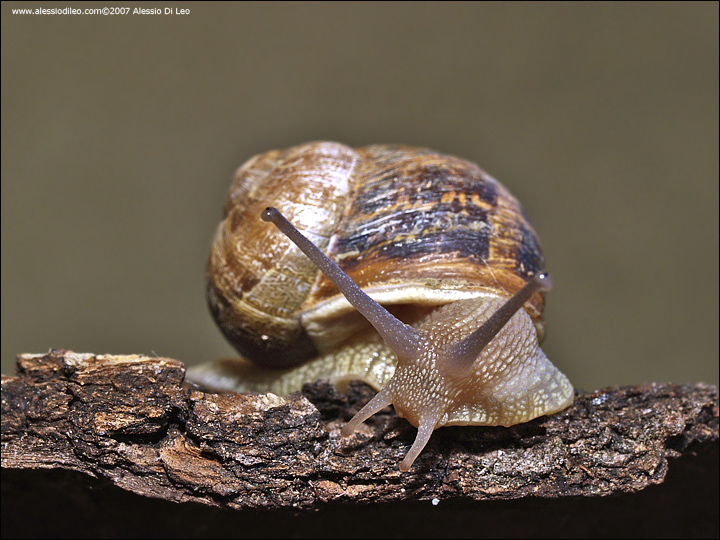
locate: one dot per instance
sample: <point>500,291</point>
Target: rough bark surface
<point>133,421</point>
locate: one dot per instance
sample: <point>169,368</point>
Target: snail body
<point>433,238</point>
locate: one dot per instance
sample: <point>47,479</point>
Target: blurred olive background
<point>120,135</point>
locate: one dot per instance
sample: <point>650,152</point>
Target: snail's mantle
<point>133,422</point>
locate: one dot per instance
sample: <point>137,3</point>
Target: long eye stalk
<point>401,338</point>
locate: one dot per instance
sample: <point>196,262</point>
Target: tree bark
<point>133,421</point>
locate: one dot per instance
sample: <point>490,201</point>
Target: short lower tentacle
<point>425,430</point>
<point>381,400</point>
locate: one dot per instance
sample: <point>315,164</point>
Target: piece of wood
<point>133,421</point>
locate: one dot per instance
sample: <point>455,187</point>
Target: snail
<point>408,269</point>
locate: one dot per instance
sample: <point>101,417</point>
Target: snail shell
<point>432,237</point>
<point>410,226</point>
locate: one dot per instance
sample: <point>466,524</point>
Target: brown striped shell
<point>413,227</point>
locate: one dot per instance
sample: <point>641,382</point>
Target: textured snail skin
<point>369,210</point>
